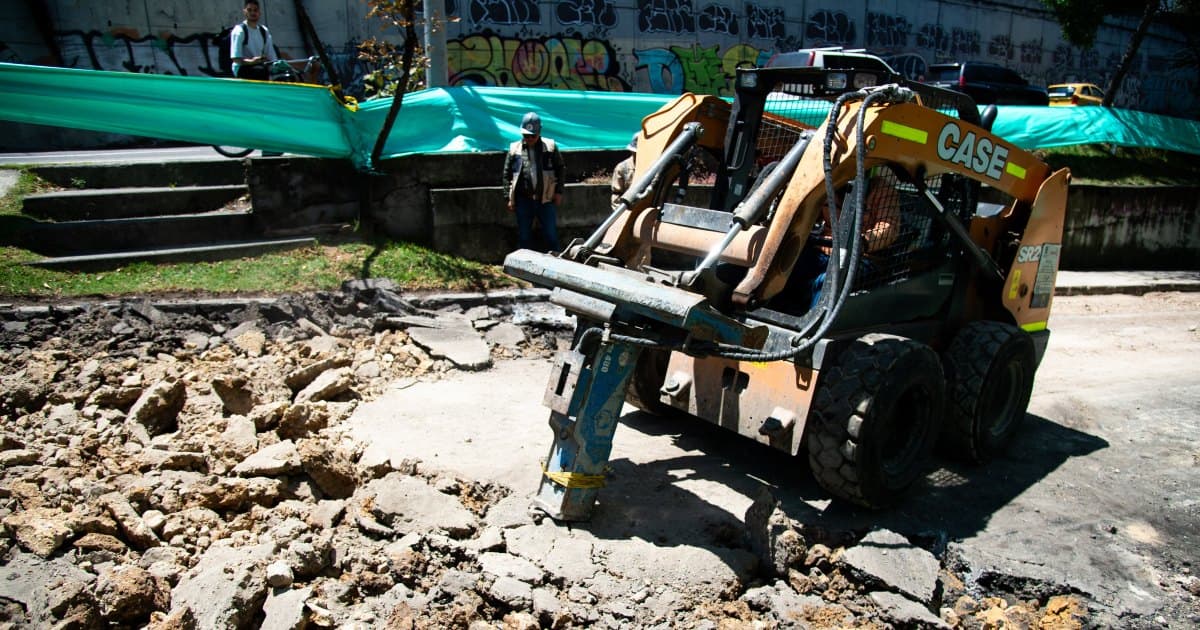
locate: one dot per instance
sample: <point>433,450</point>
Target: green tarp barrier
<point>1045,127</point>
<point>489,119</point>
<point>309,120</point>
<point>297,118</point>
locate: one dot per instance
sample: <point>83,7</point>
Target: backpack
<point>224,59</point>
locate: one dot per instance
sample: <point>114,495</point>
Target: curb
<point>1128,289</point>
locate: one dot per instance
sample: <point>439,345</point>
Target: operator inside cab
<point>880,229</point>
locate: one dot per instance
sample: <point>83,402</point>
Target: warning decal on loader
<point>1043,285</point>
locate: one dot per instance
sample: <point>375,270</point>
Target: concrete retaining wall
<point>400,201</point>
<point>451,203</point>
<point>1136,227</point>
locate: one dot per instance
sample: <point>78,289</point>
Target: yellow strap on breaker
<point>574,480</point>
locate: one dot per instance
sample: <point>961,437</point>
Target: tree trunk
<point>410,48</point>
<point>1135,42</point>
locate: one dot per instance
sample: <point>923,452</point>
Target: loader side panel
<point>1029,287</point>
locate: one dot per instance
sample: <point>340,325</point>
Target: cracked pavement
<point>308,461</point>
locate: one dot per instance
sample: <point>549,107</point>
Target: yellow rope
<point>574,480</point>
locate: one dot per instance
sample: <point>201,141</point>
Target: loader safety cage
<point>775,106</point>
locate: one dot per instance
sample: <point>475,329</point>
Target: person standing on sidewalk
<point>533,182</point>
<point>250,46</point>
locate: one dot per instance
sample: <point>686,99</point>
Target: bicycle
<point>283,71</point>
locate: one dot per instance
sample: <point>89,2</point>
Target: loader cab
<point>910,279</point>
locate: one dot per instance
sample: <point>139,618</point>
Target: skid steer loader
<point>782,310</point>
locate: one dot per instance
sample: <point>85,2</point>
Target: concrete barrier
<point>475,223</point>
<point>454,204</point>
<point>81,205</point>
<point>141,174</point>
<point>1132,227</point>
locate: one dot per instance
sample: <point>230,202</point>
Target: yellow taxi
<point>1068,94</point>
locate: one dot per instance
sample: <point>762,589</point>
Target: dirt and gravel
<point>306,461</point>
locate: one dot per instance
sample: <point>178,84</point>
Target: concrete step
<point>221,251</point>
<point>214,172</point>
<point>124,203</point>
<point>75,238</point>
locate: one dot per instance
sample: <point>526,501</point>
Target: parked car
<point>1068,94</point>
<point>835,57</point>
<point>863,68</point>
<point>986,83</point>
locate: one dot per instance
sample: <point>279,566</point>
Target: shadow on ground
<point>657,502</point>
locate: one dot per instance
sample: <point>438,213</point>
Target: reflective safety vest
<point>549,175</point>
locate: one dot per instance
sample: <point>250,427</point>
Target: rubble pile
<point>184,465</point>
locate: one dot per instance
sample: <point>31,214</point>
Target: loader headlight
<point>835,80</point>
<point>865,79</point>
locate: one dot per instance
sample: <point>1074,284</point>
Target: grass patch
<point>1126,166</point>
<point>27,184</point>
<point>323,267</point>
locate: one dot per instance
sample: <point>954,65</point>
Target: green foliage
<point>1080,19</point>
<point>1124,166</point>
<point>387,77</point>
<point>27,184</point>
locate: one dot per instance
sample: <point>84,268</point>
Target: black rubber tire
<point>232,152</point>
<point>879,389</point>
<point>989,373</point>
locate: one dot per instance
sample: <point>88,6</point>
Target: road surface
<point>1098,494</point>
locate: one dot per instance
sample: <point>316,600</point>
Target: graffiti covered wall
<point>663,46</point>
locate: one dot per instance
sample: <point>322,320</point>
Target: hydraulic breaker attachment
<point>635,298</point>
<point>587,385</point>
<point>585,399</point>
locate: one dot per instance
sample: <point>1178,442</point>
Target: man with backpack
<point>250,46</point>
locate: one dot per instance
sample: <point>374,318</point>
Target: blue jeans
<point>810,274</point>
<point>547,218</point>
